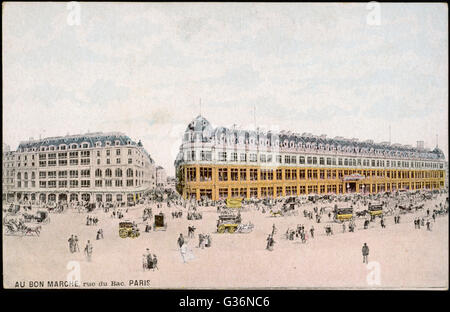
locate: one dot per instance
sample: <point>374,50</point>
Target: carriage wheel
<point>221,229</point>
<point>231,229</point>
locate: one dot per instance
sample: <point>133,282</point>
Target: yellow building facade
<point>227,163</point>
<point>220,182</point>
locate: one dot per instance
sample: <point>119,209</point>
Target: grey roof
<point>91,138</point>
<point>337,143</point>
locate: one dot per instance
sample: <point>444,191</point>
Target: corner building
<point>94,167</point>
<point>218,163</point>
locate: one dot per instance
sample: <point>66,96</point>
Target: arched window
<point>33,175</point>
<point>25,175</point>
<point>118,172</point>
<point>108,173</point>
<point>98,173</point>
<point>129,172</point>
<point>19,176</point>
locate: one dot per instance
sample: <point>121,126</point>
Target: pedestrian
<point>343,227</point>
<point>88,250</point>
<point>180,240</point>
<point>365,253</point>
<point>75,246</point>
<point>71,244</point>
<point>428,225</point>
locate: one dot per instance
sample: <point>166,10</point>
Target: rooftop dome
<point>199,124</point>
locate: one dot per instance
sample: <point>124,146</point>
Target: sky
<point>148,69</point>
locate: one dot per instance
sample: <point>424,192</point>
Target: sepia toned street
<point>402,256</point>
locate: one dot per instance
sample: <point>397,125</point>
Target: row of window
<point>293,190</point>
<point>253,174</point>
<point>83,173</point>
<point>72,146</point>
<point>82,183</point>
<point>310,160</point>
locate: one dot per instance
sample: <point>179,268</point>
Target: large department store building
<point>221,162</point>
<point>92,167</point>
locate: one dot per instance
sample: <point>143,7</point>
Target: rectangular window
<point>206,155</point>
<point>279,159</point>
<point>262,158</point>
<point>243,174</point>
<point>42,174</point>
<point>42,184</point>
<point>339,161</point>
<point>234,174</point>
<point>287,159</point>
<point>321,161</point>
<point>108,183</point>
<point>52,163</point>
<point>117,152</point>
<point>328,161</point>
<point>223,174</point>
<point>62,183</point>
<point>279,174</point>
<point>73,154</point>
<point>253,174</point>
<point>223,193</point>
<point>119,183</point>
<point>222,156</point>
<point>301,160</point>
<point>191,174</point>
<point>85,173</point>
<point>51,184</point>
<point>243,157</point>
<point>98,183</point>
<point>234,157</point>
<point>253,158</point>
<point>205,174</point>
<point>73,183</point>
<point>85,161</point>
<point>302,174</point>
<point>74,162</point>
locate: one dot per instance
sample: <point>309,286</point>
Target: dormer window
<point>117,143</point>
<point>98,144</point>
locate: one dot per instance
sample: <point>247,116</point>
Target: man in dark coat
<point>180,240</point>
<point>365,253</point>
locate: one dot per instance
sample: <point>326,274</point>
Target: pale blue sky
<point>141,69</point>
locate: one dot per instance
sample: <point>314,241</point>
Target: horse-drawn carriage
<point>13,209</point>
<point>343,214</point>
<point>159,223</point>
<point>14,227</point>
<point>375,209</point>
<point>128,229</point>
<point>228,222</point>
<point>41,217</point>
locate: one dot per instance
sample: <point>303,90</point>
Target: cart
<point>159,223</point>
